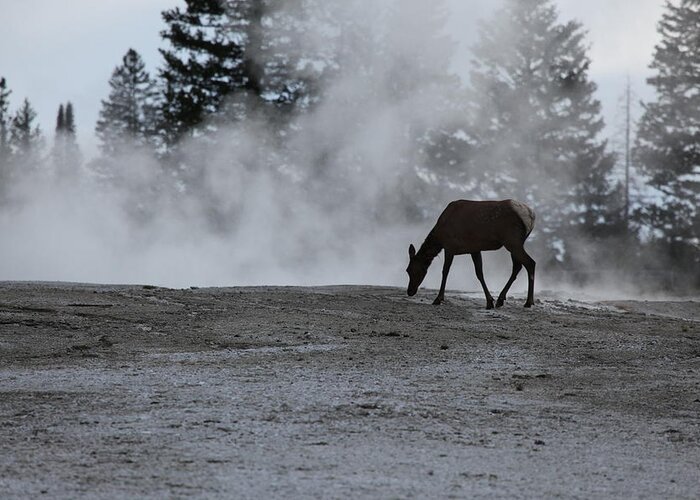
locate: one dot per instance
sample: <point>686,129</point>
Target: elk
<point>473,227</point>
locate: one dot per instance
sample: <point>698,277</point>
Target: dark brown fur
<point>472,227</point>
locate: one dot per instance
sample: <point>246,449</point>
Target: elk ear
<point>411,251</point>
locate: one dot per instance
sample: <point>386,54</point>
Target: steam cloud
<point>292,224</point>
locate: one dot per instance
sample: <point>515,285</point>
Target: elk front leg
<point>479,268</point>
<point>445,271</point>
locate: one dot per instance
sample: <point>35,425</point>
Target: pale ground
<point>343,392</point>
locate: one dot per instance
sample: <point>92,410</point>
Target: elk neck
<point>429,249</point>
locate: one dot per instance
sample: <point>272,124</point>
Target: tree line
<point>525,125</point>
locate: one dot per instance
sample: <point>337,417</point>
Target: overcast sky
<point>53,51</point>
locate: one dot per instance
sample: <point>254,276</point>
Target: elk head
<point>417,269</point>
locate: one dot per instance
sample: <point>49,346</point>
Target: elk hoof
<point>499,303</point>
<point>528,304</point>
<point>437,301</point>
<point>489,305</point>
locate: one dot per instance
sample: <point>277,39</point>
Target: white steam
<point>323,208</point>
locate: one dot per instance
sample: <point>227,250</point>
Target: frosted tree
<point>26,140</point>
<point>206,62</point>
<point>380,126</point>
<point>129,116</point>
<point>5,122</point>
<point>668,139</point>
<point>130,139</point>
<point>295,52</point>
<point>415,67</point>
<point>237,59</point>
<point>66,153</point>
<point>537,123</point>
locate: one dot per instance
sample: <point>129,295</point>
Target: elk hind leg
<point>517,266</point>
<point>527,261</point>
<point>479,268</point>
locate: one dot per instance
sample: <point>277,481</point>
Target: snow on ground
<point>336,392</point>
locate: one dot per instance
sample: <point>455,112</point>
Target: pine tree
<point>58,153</point>
<point>228,58</point>
<point>417,72</point>
<point>537,122</point>
<point>293,71</point>
<point>386,63</point>
<point>26,140</point>
<point>66,153</point>
<point>667,148</point>
<point>129,117</point>
<point>417,66</point>
<point>5,122</point>
<point>60,120</point>
<point>206,62</point>
<point>70,119</point>
<point>73,155</point>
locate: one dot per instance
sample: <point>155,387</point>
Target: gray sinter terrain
<point>340,392</point>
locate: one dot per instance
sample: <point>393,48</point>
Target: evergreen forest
<point>297,126</point>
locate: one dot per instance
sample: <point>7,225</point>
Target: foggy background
<point>323,176</point>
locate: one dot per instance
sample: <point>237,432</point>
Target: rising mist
<point>323,207</point>
<point>335,195</point>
